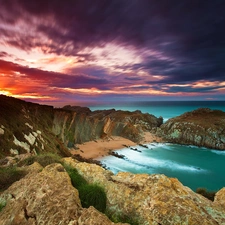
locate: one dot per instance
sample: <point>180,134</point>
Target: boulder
<point>46,197</point>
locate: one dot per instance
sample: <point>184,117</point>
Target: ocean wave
<point>218,152</point>
<point>154,163</point>
<point>165,119</point>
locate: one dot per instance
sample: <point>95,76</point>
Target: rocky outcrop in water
<point>202,127</point>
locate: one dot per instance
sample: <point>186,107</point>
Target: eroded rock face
<point>47,198</point>
<point>152,199</point>
<point>26,128</point>
<point>202,127</point>
<point>33,128</point>
<point>77,126</point>
<point>44,198</point>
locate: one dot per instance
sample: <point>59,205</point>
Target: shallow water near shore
<point>194,167</point>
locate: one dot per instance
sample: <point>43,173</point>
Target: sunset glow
<point>59,51</point>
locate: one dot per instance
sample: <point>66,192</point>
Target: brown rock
<point>91,216</point>
<point>47,197</point>
<point>43,198</point>
<point>152,199</point>
<point>78,126</point>
<point>220,198</point>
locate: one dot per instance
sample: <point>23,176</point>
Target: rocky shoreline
<point>46,194</point>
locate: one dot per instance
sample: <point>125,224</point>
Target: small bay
<point>194,167</point>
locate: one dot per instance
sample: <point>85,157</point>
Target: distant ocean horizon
<point>194,167</point>
<point>166,109</point>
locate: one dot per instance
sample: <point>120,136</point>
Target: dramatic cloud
<point>107,49</point>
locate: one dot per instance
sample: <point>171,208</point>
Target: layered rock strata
<point>77,125</point>
<point>32,128</point>
<point>202,127</point>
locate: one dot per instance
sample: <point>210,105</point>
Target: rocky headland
<point>202,127</point>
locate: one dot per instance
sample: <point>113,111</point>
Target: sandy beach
<point>102,147</point>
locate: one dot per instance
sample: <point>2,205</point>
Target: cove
<point>192,166</point>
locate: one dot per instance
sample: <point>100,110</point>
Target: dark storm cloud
<point>190,34</point>
<point>133,78</point>
<point>191,89</point>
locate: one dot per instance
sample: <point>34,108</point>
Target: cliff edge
<point>46,196</point>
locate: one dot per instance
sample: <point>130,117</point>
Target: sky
<point>73,51</point>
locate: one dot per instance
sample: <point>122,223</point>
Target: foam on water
<point>194,167</point>
<point>218,152</point>
<point>140,159</point>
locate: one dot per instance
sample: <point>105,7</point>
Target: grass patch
<point>121,218</point>
<point>9,175</point>
<point>43,159</point>
<point>93,195</point>
<point>207,194</point>
<point>76,179</point>
<point>2,204</point>
<point>90,194</point>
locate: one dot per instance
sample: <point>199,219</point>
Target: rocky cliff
<point>32,128</point>
<point>46,196</point>
<point>77,125</point>
<point>202,127</point>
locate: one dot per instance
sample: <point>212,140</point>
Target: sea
<point>193,166</point>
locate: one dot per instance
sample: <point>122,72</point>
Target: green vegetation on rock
<point>2,204</point>
<point>76,179</point>
<point>43,159</point>
<point>122,218</point>
<point>8,175</point>
<point>90,194</point>
<point>208,194</point>
<point>93,195</point>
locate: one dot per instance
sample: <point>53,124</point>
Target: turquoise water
<point>194,167</point>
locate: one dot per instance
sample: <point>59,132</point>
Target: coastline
<point>102,147</point>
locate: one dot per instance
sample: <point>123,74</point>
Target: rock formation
<point>46,196</point>
<point>26,128</point>
<point>202,127</point>
<point>77,126</point>
<point>32,128</point>
<point>153,199</point>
